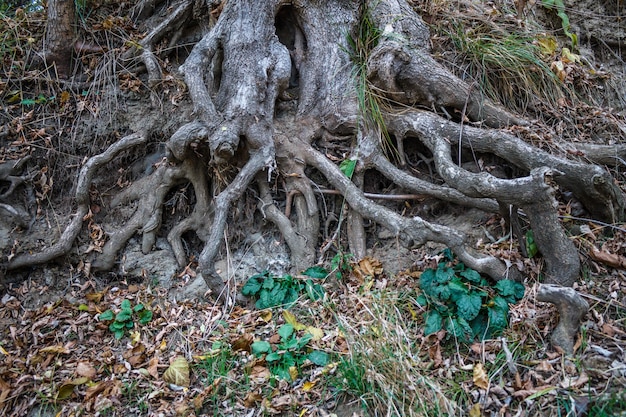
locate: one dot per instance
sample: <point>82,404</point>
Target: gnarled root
<point>65,242</point>
<point>571,307</point>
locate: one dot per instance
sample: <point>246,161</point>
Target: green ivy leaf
<point>457,288</point>
<point>347,166</point>
<point>138,308</point>
<point>269,282</point>
<point>117,326</point>
<point>427,281</point>
<point>125,305</point>
<point>469,306</point>
<point>272,357</point>
<point>512,291</point>
<point>444,274</point>
<point>447,254</point>
<point>252,286</point>
<point>501,303</point>
<point>433,322</point>
<point>145,316</point>
<point>106,315</point>
<point>316,272</point>
<point>442,292</point>
<point>498,319</point>
<point>261,347</point>
<point>285,331</point>
<point>124,315</point>
<point>471,275</point>
<point>479,325</point>
<point>421,301</point>
<point>129,324</point>
<point>460,328</point>
<point>319,358</point>
<point>118,334</point>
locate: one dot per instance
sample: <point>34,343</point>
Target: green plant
<point>272,291</point>
<point>218,363</point>
<point>460,300</point>
<point>508,67</point>
<point>284,360</point>
<point>124,319</point>
<point>340,264</point>
<point>360,45</point>
<point>559,6</point>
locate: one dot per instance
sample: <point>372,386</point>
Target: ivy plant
<point>284,360</point>
<point>461,301</point>
<point>125,318</point>
<point>272,291</point>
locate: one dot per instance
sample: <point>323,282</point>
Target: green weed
<point>286,358</point>
<point>460,300</point>
<point>124,319</point>
<point>272,291</point>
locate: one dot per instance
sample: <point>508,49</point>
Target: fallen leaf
<point>475,411</point>
<point>315,332</point>
<point>480,378</point>
<point>291,319</point>
<point>243,343</point>
<point>85,369</point>
<point>55,349</point>
<point>610,259</point>
<point>66,389</point>
<point>153,367</point>
<point>252,399</point>
<point>308,386</point>
<point>178,372</point>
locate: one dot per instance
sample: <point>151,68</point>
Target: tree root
<point>85,178</point>
<point>571,307</point>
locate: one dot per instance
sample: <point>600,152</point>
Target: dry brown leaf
<point>85,369</point>
<point>252,399</point>
<point>178,372</point>
<point>611,259</point>
<point>243,343</point>
<point>153,367</point>
<point>480,377</point>
<point>259,373</point>
<point>55,349</point>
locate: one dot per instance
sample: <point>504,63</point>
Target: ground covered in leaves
<point>359,349</point>
<point>352,343</point>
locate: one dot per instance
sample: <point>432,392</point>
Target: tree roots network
<point>275,108</point>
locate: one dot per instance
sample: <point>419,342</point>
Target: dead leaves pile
<point>61,356</point>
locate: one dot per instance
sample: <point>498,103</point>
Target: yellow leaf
<point>3,351</point>
<point>291,319</point>
<point>547,44</point>
<point>293,373</point>
<point>475,411</point>
<point>480,378</point>
<point>266,315</point>
<point>569,56</point>
<point>315,332</point>
<point>54,349</point>
<point>135,337</point>
<point>65,96</point>
<point>66,389</point>
<point>178,372</point>
<point>308,386</point>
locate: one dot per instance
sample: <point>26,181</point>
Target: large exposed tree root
<point>261,58</point>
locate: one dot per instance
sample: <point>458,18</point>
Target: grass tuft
<point>385,369</point>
